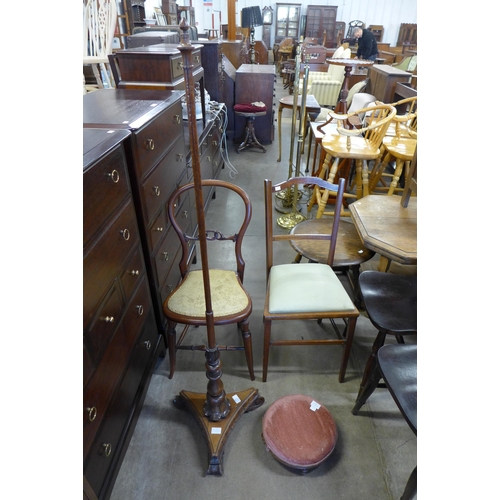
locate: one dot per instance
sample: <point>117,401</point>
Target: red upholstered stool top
<point>299,432</point>
<point>250,108</point>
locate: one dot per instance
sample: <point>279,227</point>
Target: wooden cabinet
<point>255,82</point>
<point>321,20</point>
<point>287,21</point>
<point>382,81</point>
<point>135,155</point>
<point>378,31</point>
<point>121,340</point>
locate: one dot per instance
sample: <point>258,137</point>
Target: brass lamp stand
<point>215,411</point>
<point>290,199</point>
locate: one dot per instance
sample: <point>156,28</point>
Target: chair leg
<point>397,174</point>
<point>247,342</point>
<point>367,390</point>
<point>411,486</point>
<point>267,345</point>
<point>171,347</point>
<point>372,359</point>
<point>351,325</point>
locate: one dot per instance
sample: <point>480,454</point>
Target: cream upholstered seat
<point>304,291</point>
<point>99,21</point>
<point>230,301</point>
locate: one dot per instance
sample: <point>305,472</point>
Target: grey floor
<point>167,458</point>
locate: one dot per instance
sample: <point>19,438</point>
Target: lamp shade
<point>251,17</point>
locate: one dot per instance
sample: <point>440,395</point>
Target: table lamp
<point>250,18</point>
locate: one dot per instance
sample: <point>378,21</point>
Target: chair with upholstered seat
<point>230,301</point>
<point>99,21</point>
<point>358,144</point>
<point>304,291</point>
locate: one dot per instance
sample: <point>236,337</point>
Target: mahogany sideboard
<point>382,81</point>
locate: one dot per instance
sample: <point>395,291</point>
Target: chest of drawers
<point>120,341</point>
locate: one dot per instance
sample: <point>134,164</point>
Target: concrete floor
<point>167,458</point>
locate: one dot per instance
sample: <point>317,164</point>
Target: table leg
<point>384,264</point>
<point>280,110</point>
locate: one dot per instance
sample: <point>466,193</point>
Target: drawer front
<point>214,137</point>
<point>173,278</point>
<point>217,163</point>
<point>106,443</point>
<point>133,271</point>
<point>104,260</point>
<point>153,141</point>
<point>157,230</point>
<point>105,186</point>
<point>161,183</point>
<point>176,67</point>
<point>104,323</point>
<point>165,255</point>
<point>137,312</point>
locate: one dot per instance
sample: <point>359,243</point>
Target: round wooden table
<point>312,106</point>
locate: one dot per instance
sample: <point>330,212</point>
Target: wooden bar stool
<point>250,112</point>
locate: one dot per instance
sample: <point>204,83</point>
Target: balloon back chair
<point>230,301</point>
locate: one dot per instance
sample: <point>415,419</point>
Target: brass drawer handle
<point>140,310</point>
<point>126,234</point>
<point>185,214</point>
<point>109,319</point>
<point>179,65</point>
<point>92,413</point>
<point>159,229</point>
<point>156,190</point>
<point>147,345</point>
<point>205,143</point>
<point>135,273</point>
<point>150,144</point>
<point>214,143</point>
<point>209,159</point>
<point>197,59</point>
<point>106,447</point>
<point>115,176</point>
<point>165,256</point>
<point>179,157</point>
<point>177,119</point>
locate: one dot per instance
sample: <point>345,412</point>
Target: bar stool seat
<point>250,112</point>
<point>299,432</point>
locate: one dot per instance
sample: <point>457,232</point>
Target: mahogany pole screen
<point>215,411</point>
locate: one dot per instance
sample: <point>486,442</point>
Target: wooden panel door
<point>321,20</point>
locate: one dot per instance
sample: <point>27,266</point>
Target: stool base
<point>250,139</point>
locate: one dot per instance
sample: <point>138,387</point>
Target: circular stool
<point>250,112</point>
<point>299,432</point>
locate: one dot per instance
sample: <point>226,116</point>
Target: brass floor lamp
<point>215,411</point>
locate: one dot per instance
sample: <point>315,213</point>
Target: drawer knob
<point>179,65</point>
<point>147,345</point>
<point>197,59</point>
<point>159,229</point>
<point>185,214</point>
<point>214,143</point>
<point>92,412</point>
<point>150,144</point>
<point>180,157</point>
<point>177,119</point>
<point>135,272</point>
<point>108,319</point>
<point>106,448</point>
<point>209,159</point>
<point>115,176</point>
<point>140,310</point>
<point>126,234</point>
<point>156,190</point>
<point>165,256</point>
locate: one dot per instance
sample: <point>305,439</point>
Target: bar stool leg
<point>250,139</point>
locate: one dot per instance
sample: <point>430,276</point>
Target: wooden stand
<point>214,405</point>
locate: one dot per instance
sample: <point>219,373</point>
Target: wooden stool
<point>250,115</point>
<point>299,432</point>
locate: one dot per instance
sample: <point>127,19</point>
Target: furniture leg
<point>359,180</point>
<point>365,178</point>
<point>247,342</point>
<point>171,348</point>
<point>384,264</point>
<point>411,486</point>
<point>351,325</point>
<point>267,345</point>
<point>397,174</point>
<point>371,363</point>
<point>280,110</point>
<point>368,389</point>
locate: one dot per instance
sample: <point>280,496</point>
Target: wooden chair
<point>359,144</point>
<point>397,146</point>
<point>305,291</point>
<point>391,304</point>
<point>99,21</point>
<point>231,303</point>
<point>397,365</point>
